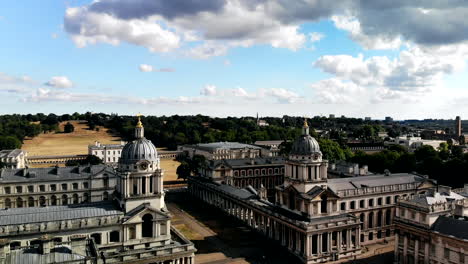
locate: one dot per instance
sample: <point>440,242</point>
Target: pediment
<point>136,215</point>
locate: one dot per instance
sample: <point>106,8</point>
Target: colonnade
<point>147,184</point>
<point>411,249</point>
<point>310,245</point>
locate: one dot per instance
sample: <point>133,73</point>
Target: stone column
<point>330,241</point>
<point>319,250</point>
<point>308,245</point>
<point>426,252</point>
<point>338,241</point>
<point>405,247</point>
<point>416,251</point>
<point>348,239</point>
<point>396,247</point>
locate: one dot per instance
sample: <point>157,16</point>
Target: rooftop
<point>11,153</point>
<point>52,173</point>
<point>339,184</point>
<point>247,162</point>
<point>451,226</point>
<point>58,254</point>
<point>224,145</point>
<point>15,216</point>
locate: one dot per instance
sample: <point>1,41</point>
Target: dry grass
<point>170,168</point>
<point>68,144</point>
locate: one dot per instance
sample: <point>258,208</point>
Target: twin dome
<point>139,149</point>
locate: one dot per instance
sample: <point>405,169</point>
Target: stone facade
<point>65,215</point>
<point>316,218</point>
<point>432,228</point>
<point>224,150</point>
<point>108,153</point>
<point>14,158</point>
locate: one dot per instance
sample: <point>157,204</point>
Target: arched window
<point>85,198</point>
<point>324,204</point>
<point>97,238</point>
<point>105,196</point>
<point>114,236</point>
<point>30,202</point>
<point>379,219</point>
<point>292,200</point>
<point>388,217</point>
<point>75,198</point>
<point>7,203</point>
<point>42,201</point>
<point>361,217</point>
<point>53,200</point>
<point>19,202</point>
<point>131,232</point>
<point>147,226</point>
<point>371,236</point>
<point>370,221</point>
<point>64,199</point>
<point>15,245</point>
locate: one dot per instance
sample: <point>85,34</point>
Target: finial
<point>139,124</point>
<point>305,122</point>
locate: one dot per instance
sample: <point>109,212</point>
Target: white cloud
<point>335,91</point>
<point>316,36</point>
<point>209,90</point>
<point>149,68</point>
<point>59,82</point>
<point>227,63</point>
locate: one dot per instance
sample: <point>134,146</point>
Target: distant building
<point>14,158</point>
<point>331,116</point>
<point>413,143</point>
<point>388,119</point>
<point>272,145</point>
<point>343,168</point>
<point>458,127</point>
<point>223,150</point>
<point>432,228</point>
<point>261,122</point>
<point>108,153</point>
<point>367,118</point>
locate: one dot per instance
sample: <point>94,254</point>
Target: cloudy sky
<point>405,59</point>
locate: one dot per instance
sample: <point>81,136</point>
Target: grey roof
<point>139,149</point>
<point>224,145</point>
<point>58,254</point>
<point>15,216</point>
<point>10,153</point>
<point>107,146</point>
<point>53,173</point>
<point>243,194</point>
<point>452,227</point>
<point>429,199</point>
<point>305,145</point>
<point>338,184</point>
<point>233,163</point>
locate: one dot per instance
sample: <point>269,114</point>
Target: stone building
<point>133,227</point>
<point>108,153</point>
<point>13,158</point>
<point>316,218</point>
<point>432,228</point>
<point>223,150</point>
<point>258,173</point>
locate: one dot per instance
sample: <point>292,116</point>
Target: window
<point>53,187</point>
<point>30,202</point>
<point>42,201</point>
<point>31,188</point>
<point>343,206</point>
<point>413,215</point>
<point>371,202</point>
<point>7,203</point>
<point>114,236</point>
<point>7,190</point>
<point>42,188</point>
<point>85,185</point>
<point>352,205</point>
<point>131,232</point>
<point>75,186</point>
<point>388,200</point>
<point>64,187</point>
<point>402,212</point>
<point>361,204</point>
<point>446,253</point>
<point>379,201</point>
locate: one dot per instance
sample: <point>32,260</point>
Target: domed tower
<point>140,176</point>
<point>304,166</point>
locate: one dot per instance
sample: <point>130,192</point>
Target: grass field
<point>68,144</point>
<point>77,142</point>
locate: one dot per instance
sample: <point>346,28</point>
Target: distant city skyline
<point>235,58</point>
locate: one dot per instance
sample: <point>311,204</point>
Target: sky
<point>358,58</point>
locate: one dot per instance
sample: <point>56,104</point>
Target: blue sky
<point>233,57</point>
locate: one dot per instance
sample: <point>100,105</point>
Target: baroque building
<point>316,218</point>
<point>432,228</point>
<point>91,214</point>
<point>13,158</point>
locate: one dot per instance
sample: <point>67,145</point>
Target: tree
<point>68,128</point>
<point>93,160</point>
<point>196,163</point>
<point>9,142</point>
<point>332,150</point>
<point>183,171</point>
